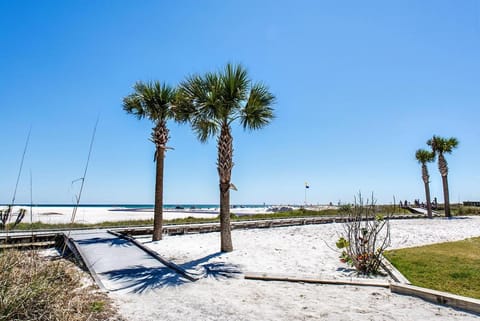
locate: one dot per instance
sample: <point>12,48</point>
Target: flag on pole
<point>307,185</point>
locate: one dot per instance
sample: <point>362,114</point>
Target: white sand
<point>292,250</point>
<point>88,214</point>
<point>55,215</point>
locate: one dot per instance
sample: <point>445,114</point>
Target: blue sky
<point>360,85</point>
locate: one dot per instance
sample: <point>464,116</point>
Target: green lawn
<point>451,267</point>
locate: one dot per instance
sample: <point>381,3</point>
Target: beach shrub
<point>344,209</point>
<point>36,288</point>
<point>366,235</point>
<point>7,214</point>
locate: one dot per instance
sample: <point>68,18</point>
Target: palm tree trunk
<point>158,211</point>
<point>446,198</point>
<point>426,178</point>
<point>225,230</point>
<point>443,168</point>
<point>429,204</point>
<point>224,166</point>
<point>160,138</point>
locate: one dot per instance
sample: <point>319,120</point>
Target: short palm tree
<point>211,103</point>
<point>423,157</point>
<point>441,146</point>
<point>154,101</point>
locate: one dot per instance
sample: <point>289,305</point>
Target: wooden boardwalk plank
<point>444,298</point>
<point>315,279</point>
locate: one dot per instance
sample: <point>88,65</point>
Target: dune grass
<point>36,288</point>
<point>465,210</point>
<point>451,267</point>
<point>186,220</point>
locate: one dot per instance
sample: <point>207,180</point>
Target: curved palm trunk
<point>443,168</point>
<point>160,138</point>
<point>224,166</point>
<point>425,178</point>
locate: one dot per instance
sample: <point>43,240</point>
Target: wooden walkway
<point>421,210</point>
<point>118,264</point>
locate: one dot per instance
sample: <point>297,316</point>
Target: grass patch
<point>35,288</point>
<point>465,210</point>
<point>186,220</point>
<point>450,267</point>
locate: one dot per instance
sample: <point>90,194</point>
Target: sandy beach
<point>89,215</point>
<point>302,250</point>
<point>98,214</point>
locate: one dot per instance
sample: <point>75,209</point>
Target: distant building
<point>472,203</point>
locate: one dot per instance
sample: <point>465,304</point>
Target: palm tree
<point>441,146</point>
<point>424,157</point>
<point>154,101</point>
<point>211,103</point>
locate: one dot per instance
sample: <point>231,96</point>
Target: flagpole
<point>305,196</point>
<point>306,187</point>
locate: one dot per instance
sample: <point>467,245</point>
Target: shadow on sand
<point>113,241</point>
<point>139,279</point>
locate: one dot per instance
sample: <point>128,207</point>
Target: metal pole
<point>306,194</point>
<point>18,180</point>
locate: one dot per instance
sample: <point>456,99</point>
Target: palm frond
<point>442,145</point>
<point>258,111</point>
<point>192,87</point>
<point>205,128</point>
<point>235,87</point>
<point>214,99</point>
<point>182,108</point>
<point>424,156</point>
<point>213,105</point>
<point>152,100</point>
<point>132,104</point>
<point>450,144</point>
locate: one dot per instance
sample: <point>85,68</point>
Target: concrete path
<point>121,266</point>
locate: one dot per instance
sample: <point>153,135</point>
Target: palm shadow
<point>113,241</point>
<point>139,279</point>
<point>347,271</point>
<point>216,270</point>
<point>221,270</point>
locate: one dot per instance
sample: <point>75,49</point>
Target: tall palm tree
<point>441,146</point>
<point>423,157</point>
<point>154,101</point>
<point>212,103</point>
